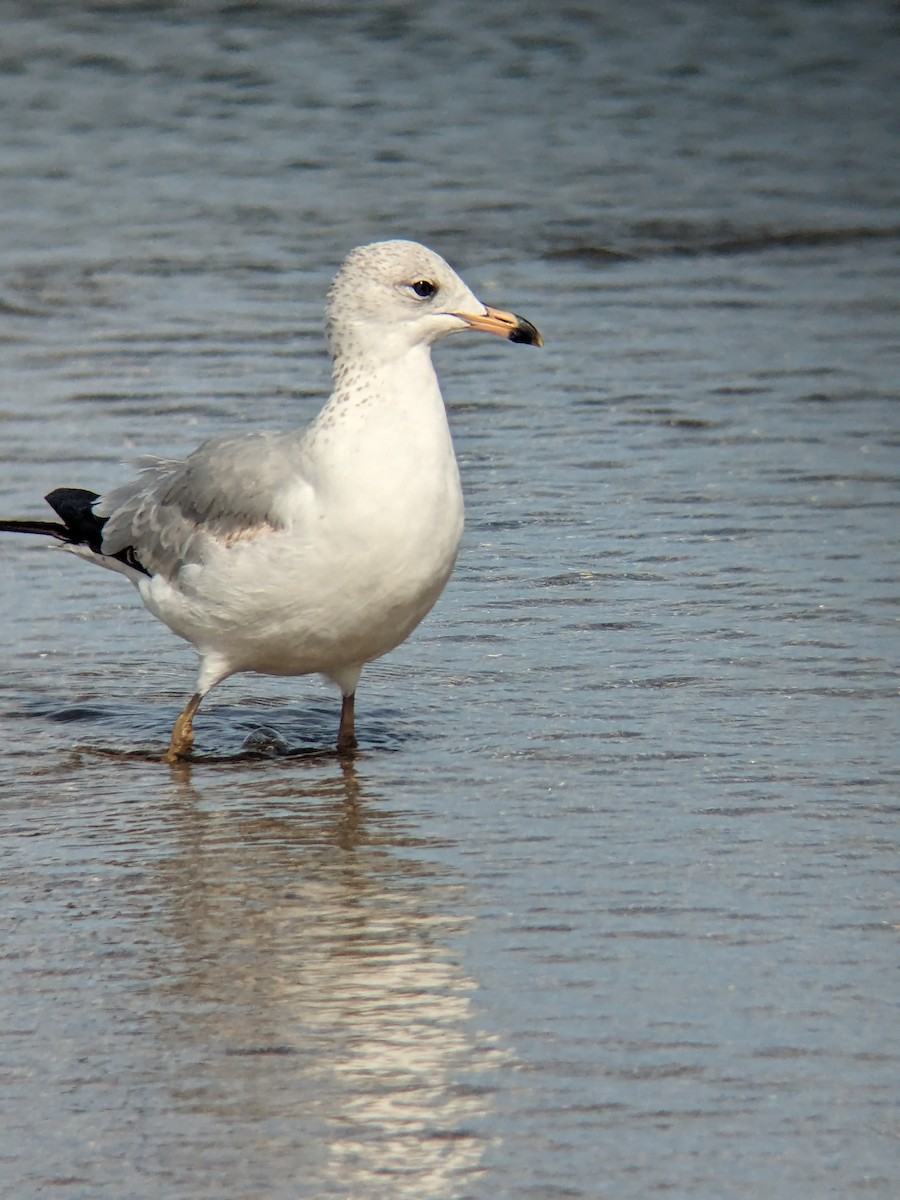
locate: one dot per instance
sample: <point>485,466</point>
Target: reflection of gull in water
<point>320,998</point>
<point>404,1059</point>
<point>318,550</point>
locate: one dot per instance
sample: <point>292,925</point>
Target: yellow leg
<point>346,741</point>
<point>182,731</point>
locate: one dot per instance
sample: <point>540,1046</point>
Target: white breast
<point>372,522</point>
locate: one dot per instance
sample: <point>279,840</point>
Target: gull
<point>320,549</point>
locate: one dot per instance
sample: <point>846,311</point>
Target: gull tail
<point>79,527</point>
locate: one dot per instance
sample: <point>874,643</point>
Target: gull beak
<point>503,324</point>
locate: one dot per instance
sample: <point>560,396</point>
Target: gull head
<point>390,297</point>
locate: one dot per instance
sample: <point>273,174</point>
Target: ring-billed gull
<point>320,549</point>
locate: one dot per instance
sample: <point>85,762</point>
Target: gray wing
<point>223,492</point>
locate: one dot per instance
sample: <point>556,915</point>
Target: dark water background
<point>607,905</point>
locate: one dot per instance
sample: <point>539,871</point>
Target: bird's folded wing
<point>223,493</point>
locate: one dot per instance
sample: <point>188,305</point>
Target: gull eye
<point>424,288</point>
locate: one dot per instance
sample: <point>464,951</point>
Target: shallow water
<point>607,904</point>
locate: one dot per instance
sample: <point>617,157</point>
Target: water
<point>607,904</point>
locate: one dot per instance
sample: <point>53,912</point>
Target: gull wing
<point>222,493</point>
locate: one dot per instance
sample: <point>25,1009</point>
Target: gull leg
<point>182,731</point>
<point>346,742</point>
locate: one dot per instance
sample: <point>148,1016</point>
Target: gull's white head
<point>391,296</point>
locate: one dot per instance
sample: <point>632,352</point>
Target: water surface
<point>607,904</point>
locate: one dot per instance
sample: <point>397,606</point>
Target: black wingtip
<point>75,508</point>
<point>80,525</point>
